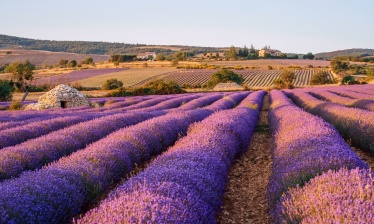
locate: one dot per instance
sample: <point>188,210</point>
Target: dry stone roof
<point>62,96</point>
<point>227,86</point>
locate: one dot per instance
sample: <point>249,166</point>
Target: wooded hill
<point>92,47</point>
<point>355,52</point>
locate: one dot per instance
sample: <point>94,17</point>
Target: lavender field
<point>169,158</point>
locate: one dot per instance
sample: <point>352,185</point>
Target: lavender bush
<point>13,136</point>
<point>94,167</point>
<point>303,147</point>
<point>344,196</point>
<point>352,123</point>
<point>185,184</point>
<point>37,152</point>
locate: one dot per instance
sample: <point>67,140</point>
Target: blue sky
<point>292,26</point>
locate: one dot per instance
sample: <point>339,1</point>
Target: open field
<point>75,76</point>
<point>41,58</point>
<point>129,77</point>
<point>202,159</point>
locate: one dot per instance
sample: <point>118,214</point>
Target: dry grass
<point>129,77</point>
<point>31,96</point>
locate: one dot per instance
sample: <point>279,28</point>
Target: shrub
<point>321,78</point>
<point>350,80</point>
<point>223,76</point>
<point>40,88</point>
<point>158,87</point>
<point>112,84</point>
<point>285,80</point>
<point>15,105</point>
<point>162,87</point>
<point>174,62</point>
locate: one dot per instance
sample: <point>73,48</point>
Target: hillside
<point>348,52</point>
<point>92,47</point>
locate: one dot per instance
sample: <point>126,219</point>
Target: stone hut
<point>231,86</point>
<point>62,96</point>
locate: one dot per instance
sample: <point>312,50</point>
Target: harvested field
<point>128,77</point>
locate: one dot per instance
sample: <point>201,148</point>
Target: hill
<point>93,47</point>
<point>355,52</point>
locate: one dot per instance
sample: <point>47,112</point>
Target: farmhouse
<point>146,55</point>
<point>272,52</point>
<point>62,96</point>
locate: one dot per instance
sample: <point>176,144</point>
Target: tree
<point>231,54</point>
<point>23,74</point>
<point>6,90</point>
<point>285,80</point>
<point>72,63</point>
<point>321,78</point>
<point>180,55</point>
<point>308,56</point>
<point>252,50</point>
<point>240,53</point>
<point>223,76</point>
<point>112,84</point>
<point>160,57</point>
<point>88,61</point>
<point>245,51</point>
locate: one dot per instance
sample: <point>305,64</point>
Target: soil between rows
<point>244,199</point>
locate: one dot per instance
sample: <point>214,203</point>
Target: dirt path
<point>244,200</point>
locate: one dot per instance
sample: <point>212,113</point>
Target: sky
<point>291,26</point>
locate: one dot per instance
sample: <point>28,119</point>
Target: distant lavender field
<point>76,75</point>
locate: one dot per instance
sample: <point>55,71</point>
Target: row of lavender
<point>353,123</point>
<point>36,152</point>
<point>22,115</point>
<point>352,96</point>
<point>316,177</point>
<point>186,183</point>
<point>12,135</point>
<point>60,190</point>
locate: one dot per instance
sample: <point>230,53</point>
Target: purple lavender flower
<point>186,183</point>
<point>304,146</point>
